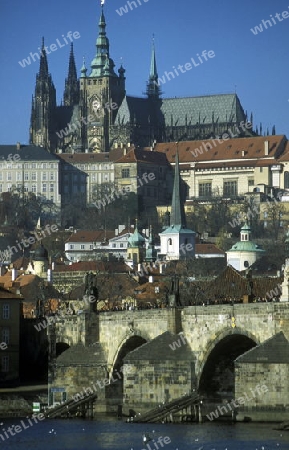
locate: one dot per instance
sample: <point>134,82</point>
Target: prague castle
<point>97,115</point>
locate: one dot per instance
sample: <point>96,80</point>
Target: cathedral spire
<point>102,51</point>
<point>177,217</point>
<point>42,125</point>
<point>153,88</point>
<point>43,66</point>
<point>71,91</point>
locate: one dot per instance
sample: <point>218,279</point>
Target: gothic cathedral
<point>96,114</point>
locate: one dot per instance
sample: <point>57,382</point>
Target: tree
<point>218,217</point>
<point>251,212</point>
<point>275,211</point>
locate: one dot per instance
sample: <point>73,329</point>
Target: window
<point>286,180</point>
<point>230,188</point>
<point>1,187</point>
<point>6,335</point>
<point>71,246</point>
<point>82,247</point>
<point>44,187</point>
<point>113,245</point>
<point>205,189</point>
<point>5,363</point>
<point>170,241</point>
<point>33,176</point>
<point>52,188</point>
<point>19,176</point>
<point>250,182</point>
<point>6,311</point>
<point>26,176</point>
<point>33,165</point>
<point>44,176</point>
<point>261,169</point>
<point>125,173</point>
<point>121,245</point>
<point>91,247</point>
<point>33,188</point>
<point>9,176</point>
<point>1,176</point>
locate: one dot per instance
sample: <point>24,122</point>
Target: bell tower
<point>101,93</point>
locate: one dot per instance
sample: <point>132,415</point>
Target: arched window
<point>170,241</point>
<point>286,180</point>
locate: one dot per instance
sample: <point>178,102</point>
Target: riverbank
<point>18,401</point>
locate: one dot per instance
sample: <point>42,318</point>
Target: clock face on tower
<point>95,143</point>
<point>95,104</point>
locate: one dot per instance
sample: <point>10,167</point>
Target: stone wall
<point>81,379</point>
<point>148,383</point>
<point>265,388</point>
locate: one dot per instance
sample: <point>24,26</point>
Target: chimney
<point>14,275</point>
<point>243,152</point>
<point>266,148</point>
<point>18,146</point>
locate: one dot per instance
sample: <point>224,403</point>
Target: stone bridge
<point>212,333</point>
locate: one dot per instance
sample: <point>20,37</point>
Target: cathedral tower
<point>101,93</point>
<point>42,125</point>
<point>71,91</point>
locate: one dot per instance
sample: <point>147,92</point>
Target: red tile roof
<point>231,149</point>
<point>87,266</point>
<point>91,236</point>
<point>208,249</point>
<point>140,155</point>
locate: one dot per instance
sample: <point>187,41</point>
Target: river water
<point>110,434</point>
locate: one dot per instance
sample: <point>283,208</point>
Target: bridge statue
<point>90,289</point>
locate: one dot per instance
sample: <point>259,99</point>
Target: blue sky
<point>256,66</point>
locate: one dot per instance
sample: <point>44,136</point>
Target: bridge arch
<point>127,345</point>
<point>216,367</point>
<point>62,343</point>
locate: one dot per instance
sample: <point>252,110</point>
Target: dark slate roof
<point>225,107</point>
<point>191,110</point>
<point>79,354</point>
<point>26,153</point>
<point>158,350</point>
<point>273,351</point>
<point>133,109</point>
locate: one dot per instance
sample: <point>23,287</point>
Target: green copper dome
<point>135,239</point>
